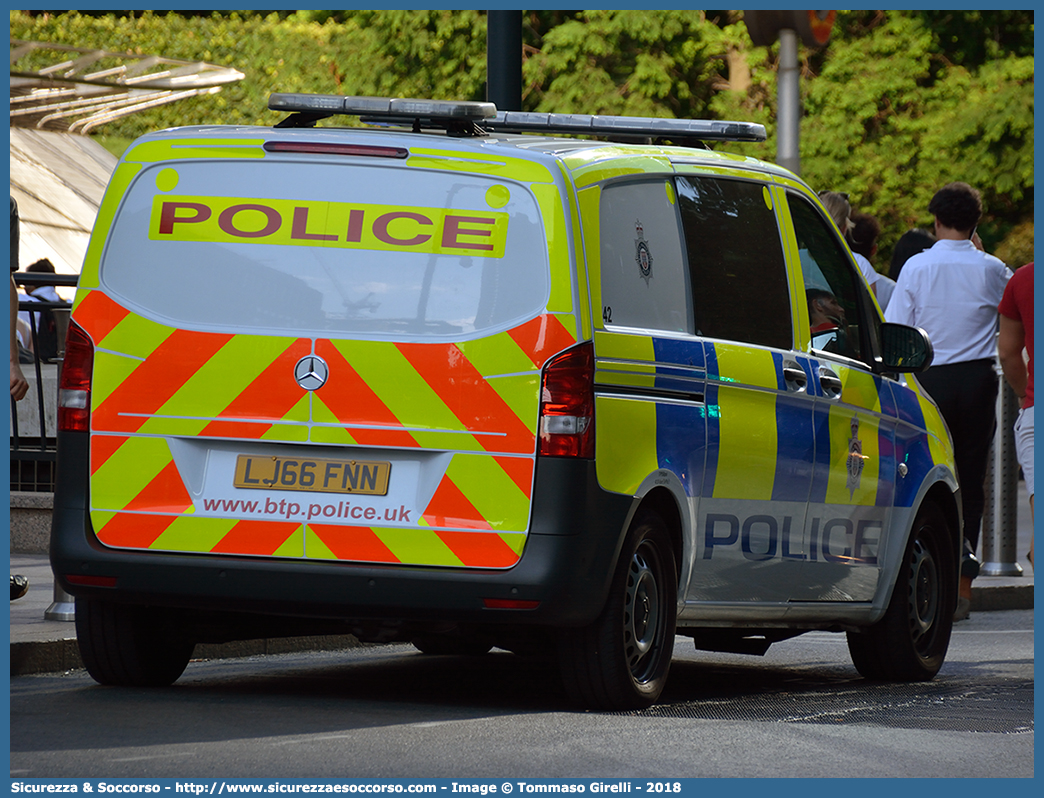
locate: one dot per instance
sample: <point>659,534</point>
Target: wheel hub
<point>924,592</point>
<point>641,609</point>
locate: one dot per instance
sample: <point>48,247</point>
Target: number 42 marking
<point>607,314</point>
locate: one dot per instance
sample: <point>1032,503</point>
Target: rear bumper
<point>575,537</point>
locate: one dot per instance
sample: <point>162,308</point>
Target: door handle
<point>830,383</point>
<point>794,376</point>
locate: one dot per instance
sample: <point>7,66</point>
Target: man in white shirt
<point>952,291</point>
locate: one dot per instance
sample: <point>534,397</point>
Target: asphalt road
<point>388,711</point>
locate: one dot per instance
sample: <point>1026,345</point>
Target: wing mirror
<point>905,348</point>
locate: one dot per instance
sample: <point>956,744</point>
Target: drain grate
<point>998,708</point>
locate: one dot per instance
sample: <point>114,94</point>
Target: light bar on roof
<point>585,124</point>
<point>384,107</point>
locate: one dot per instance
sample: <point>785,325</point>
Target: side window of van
<point>738,273</point>
<point>644,281</point>
<point>831,288</point>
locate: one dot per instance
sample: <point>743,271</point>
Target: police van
<point>558,384</point>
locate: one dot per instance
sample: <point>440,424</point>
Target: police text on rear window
<point>329,249</point>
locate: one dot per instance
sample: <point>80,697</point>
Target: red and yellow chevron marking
<point>485,501</point>
<point>355,543</point>
<point>542,338</point>
<point>478,399</point>
<point>520,470</point>
<point>259,537</point>
<point>140,502</point>
<point>479,550</point>
<point>165,493</point>
<point>470,398</point>
<point>139,475</point>
<point>271,396</point>
<point>156,380</point>
<point>479,492</point>
<point>103,447</point>
<point>477,395</point>
<point>97,314</point>
<point>414,546</point>
<point>347,397</point>
<point>131,530</point>
<point>201,535</point>
<point>450,507</point>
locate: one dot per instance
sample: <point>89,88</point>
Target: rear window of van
<point>327,249</point>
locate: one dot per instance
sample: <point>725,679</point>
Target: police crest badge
<point>642,255</point>
<point>855,458</point>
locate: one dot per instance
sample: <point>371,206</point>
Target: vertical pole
<point>788,104</point>
<point>504,59</point>
<point>63,606</point>
<point>1000,520</point>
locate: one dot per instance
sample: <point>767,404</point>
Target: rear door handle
<point>830,383</point>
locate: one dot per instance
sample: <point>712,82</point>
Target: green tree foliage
<point>905,102</point>
<point>898,104</point>
<point>439,55</point>
<point>636,63</point>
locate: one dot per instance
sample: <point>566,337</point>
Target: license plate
<point>365,477</point>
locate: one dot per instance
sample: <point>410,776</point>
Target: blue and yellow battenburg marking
<point>707,416</point>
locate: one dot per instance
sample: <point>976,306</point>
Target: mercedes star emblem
<point>311,372</point>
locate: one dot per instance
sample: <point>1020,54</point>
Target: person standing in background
<point>19,385</point>
<point>840,210</point>
<point>863,232</point>
<point>951,291</point>
<point>1016,335</point>
<point>909,244</point>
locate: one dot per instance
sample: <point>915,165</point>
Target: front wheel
<point>129,645</point>
<point>909,643</point>
<point>621,660</point>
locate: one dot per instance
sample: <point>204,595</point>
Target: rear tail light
<point>74,391</point>
<point>91,581</point>
<point>509,604</point>
<point>567,404</point>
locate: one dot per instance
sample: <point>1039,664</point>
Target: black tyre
<point>130,646</point>
<point>621,660</point>
<point>909,643</point>
<point>446,644</point>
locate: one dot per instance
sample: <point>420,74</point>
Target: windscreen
<point>327,249</point>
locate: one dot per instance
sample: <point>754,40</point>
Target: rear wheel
<point>621,660</point>
<point>909,644</point>
<point>131,646</point>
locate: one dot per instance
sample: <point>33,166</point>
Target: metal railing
<point>33,450</point>
<point>1000,520</point>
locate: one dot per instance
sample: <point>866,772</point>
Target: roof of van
<point>540,146</point>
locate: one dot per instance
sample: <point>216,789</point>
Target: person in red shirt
<point>1016,334</point>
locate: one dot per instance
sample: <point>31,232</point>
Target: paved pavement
<point>39,645</point>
